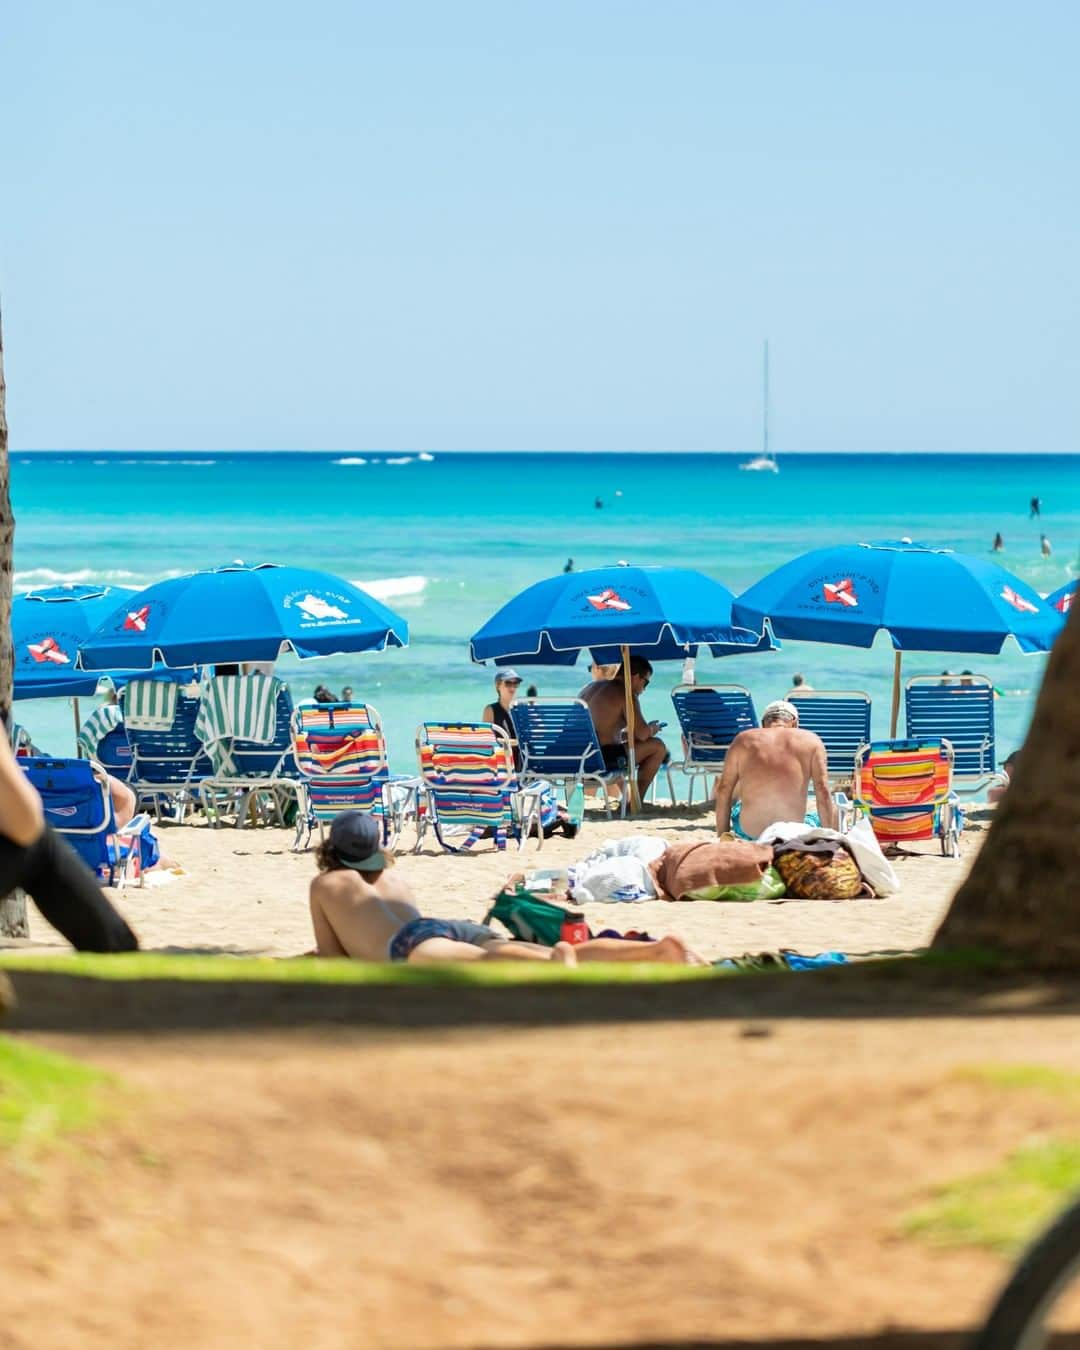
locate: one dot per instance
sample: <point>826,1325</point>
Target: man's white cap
<point>780,707</point>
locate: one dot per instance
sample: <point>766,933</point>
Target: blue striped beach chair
<point>75,797</point>
<point>340,752</point>
<point>963,714</point>
<point>557,743</point>
<point>470,787</point>
<point>711,716</point>
<point>167,757</point>
<point>103,737</point>
<point>245,723</point>
<point>842,719</point>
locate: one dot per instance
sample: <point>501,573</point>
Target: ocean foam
<point>351,459</point>
<point>35,577</point>
<point>428,459</point>
<point>384,588</point>
<point>401,459</point>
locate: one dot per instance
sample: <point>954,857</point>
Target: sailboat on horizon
<point>766,461</point>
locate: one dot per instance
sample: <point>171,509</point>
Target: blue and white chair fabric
<point>841,718</point>
<point>711,716</point>
<point>557,743</point>
<point>959,709</point>
<point>75,797</point>
<point>167,758</point>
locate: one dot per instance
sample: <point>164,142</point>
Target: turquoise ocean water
<point>446,540</point>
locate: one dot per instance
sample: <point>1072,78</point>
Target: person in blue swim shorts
<point>361,906</point>
<point>767,775</point>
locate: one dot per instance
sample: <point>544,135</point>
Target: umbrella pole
<point>75,709</point>
<point>898,657</point>
<point>631,759</point>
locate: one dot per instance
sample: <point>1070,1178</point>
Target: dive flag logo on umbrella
<point>841,593</point>
<point>1065,603</point>
<point>1017,601</point>
<point>48,649</point>
<point>608,599</point>
<point>136,620</point>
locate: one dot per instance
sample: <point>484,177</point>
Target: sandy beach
<point>244,892</point>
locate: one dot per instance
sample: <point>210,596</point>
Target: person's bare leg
<point>446,949</point>
<point>326,940</point>
<point>671,949</point>
<point>650,756</point>
<point>123,801</point>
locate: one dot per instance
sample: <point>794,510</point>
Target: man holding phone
<point>607,703</point>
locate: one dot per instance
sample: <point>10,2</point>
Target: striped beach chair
<point>469,785</point>
<point>841,717</point>
<point>962,711</point>
<point>711,716</point>
<point>103,737</point>
<point>905,789</point>
<point>167,758</point>
<point>340,753</point>
<point>245,724</point>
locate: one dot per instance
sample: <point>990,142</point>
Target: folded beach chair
<point>340,752</point>
<point>245,723</point>
<point>557,743</point>
<point>842,719</point>
<point>905,788</point>
<point>75,796</point>
<point>469,785</point>
<point>167,758</point>
<point>963,713</point>
<point>711,716</point>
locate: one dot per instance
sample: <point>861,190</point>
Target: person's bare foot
<point>672,949</point>
<point>563,954</point>
<point>514,879</point>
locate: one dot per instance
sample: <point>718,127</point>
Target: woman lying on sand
<point>361,908</point>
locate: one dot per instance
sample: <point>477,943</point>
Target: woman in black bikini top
<point>507,683</point>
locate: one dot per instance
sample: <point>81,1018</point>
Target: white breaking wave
<point>428,459</point>
<point>401,459</point>
<point>385,588</point>
<point>35,577</point>
<point>157,463</point>
<point>352,459</point>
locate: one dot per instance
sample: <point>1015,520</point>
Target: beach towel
<point>149,705</point>
<point>691,867</point>
<point>859,841</point>
<point>824,870</point>
<point>239,706</point>
<point>96,727</point>
<point>529,916</point>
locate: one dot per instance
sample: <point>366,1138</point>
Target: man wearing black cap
<point>361,908</point>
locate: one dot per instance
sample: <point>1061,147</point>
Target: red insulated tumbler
<point>574,929</point>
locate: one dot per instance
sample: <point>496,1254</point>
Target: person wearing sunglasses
<point>607,703</point>
<point>507,684</point>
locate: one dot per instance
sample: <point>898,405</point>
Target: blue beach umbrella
<point>1062,598</point>
<point>47,628</point>
<point>243,613</point>
<point>926,599</point>
<point>664,613</point>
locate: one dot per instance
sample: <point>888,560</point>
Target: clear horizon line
<point>517,450</point>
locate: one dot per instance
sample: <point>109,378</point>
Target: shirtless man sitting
<point>361,907</point>
<point>767,773</point>
<point>607,703</point>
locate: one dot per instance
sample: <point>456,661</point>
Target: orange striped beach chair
<point>905,788</point>
<point>341,754</point>
<point>467,771</point>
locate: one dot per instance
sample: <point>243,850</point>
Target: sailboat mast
<point>765,405</point>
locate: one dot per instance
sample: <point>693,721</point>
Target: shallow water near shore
<point>447,539</point>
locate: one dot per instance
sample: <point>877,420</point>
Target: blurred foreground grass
<point>44,1096</point>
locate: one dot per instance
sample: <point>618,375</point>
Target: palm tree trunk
<point>12,907</point>
<point>1022,896</point>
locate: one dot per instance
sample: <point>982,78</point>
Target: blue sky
<point>541,225</point>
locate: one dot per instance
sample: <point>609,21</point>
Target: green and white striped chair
<point>167,758</point>
<point>244,723</point>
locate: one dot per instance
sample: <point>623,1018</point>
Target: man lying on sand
<point>360,907</point>
<point>767,773</point>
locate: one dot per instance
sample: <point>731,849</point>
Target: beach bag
<point>528,916</point>
<point>823,875</point>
